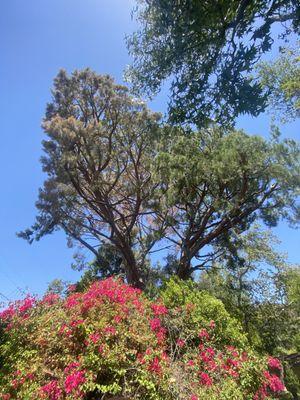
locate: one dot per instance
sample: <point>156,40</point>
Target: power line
<point>18,287</point>
<point>4,297</point>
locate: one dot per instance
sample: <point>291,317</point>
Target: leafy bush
<point>112,341</point>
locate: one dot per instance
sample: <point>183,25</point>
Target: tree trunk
<point>133,275</point>
<point>184,270</point>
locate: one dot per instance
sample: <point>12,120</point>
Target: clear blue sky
<point>37,39</point>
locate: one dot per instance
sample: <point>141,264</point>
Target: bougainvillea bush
<point>111,342</point>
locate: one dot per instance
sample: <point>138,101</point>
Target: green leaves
<point>281,80</point>
<point>119,178</point>
<point>214,181</point>
<point>100,141</point>
<point>207,50</point>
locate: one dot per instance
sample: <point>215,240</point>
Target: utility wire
<point>4,297</point>
<point>18,287</point>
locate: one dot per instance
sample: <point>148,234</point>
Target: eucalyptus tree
<point>207,49</point>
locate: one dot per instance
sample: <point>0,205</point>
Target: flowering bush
<point>111,340</point>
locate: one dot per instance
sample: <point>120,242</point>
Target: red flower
<point>180,342</point>
<point>155,324</point>
<point>74,380</point>
<point>204,335</point>
<point>155,366</point>
<point>274,363</point>
<point>205,379</point>
<point>159,309</point>
<point>51,390</point>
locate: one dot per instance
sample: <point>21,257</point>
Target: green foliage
<point>202,308</point>
<point>207,49</point>
<point>281,80</point>
<point>97,154</point>
<point>124,186</point>
<point>111,341</point>
<point>215,182</point>
<point>107,263</point>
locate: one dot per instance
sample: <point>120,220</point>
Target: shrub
<point>111,340</point>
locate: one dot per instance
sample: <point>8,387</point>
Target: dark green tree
<point>208,50</point>
<point>213,183</point>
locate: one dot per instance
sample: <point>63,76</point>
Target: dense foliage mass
<point>281,78</point>
<point>112,342</point>
<point>207,49</point>
<point>119,182</point>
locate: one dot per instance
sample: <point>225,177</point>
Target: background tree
<point>97,157</point>
<point>207,49</point>
<point>214,183</point>
<point>281,80</point>
<point>258,286</point>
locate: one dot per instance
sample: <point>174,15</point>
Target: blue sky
<point>37,39</point>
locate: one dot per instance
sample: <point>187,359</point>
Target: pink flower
<point>50,299</point>
<point>190,363</point>
<point>155,324</point>
<point>212,324</point>
<point>110,330</point>
<point>101,349</point>
<point>159,309</point>
<point>205,379</point>
<point>76,322</point>
<point>274,363</point>
<point>193,397</point>
<point>26,304</point>
<point>72,288</point>
<point>94,337</point>
<point>232,363</point>
<point>8,313</point>
<point>155,366</point>
<point>207,355</point>
<point>204,335</point>
<point>74,380</point>
<point>161,335</point>
<point>72,366</point>
<point>118,319</point>
<point>180,342</point>
<point>274,383</point>
<point>51,390</point>
<point>73,300</point>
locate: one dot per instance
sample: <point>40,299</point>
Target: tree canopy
<point>208,50</point>
<point>215,182</point>
<point>120,179</point>
<point>100,143</point>
<point>281,80</point>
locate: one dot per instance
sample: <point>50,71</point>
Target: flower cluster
<point>111,339</point>
<point>20,308</point>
